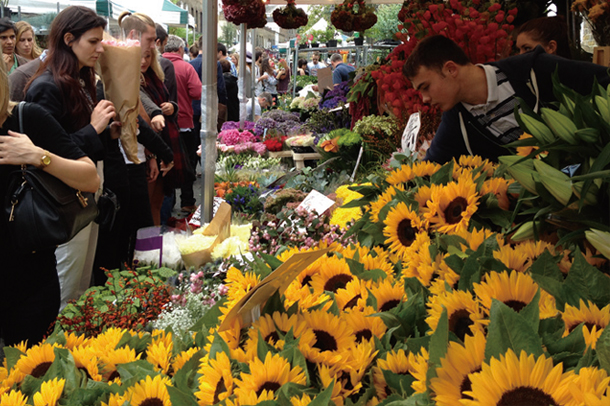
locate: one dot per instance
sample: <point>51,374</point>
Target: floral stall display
<point>342,146</point>
<point>290,17</point>
<point>274,141</point>
<point>236,141</point>
<point>286,123</point>
<point>335,97</point>
<point>353,15</point>
<point>301,144</point>
<point>381,134</point>
<point>250,12</point>
<point>597,13</point>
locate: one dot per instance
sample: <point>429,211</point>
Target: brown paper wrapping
<point>219,226</point>
<point>120,72</point>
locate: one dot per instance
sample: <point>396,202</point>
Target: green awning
<point>172,14</point>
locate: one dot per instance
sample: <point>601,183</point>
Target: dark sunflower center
<point>41,369</point>
<point>272,336</point>
<point>325,341</point>
<point>270,386</point>
<point>590,326</point>
<point>363,335</point>
<point>526,395</point>
<point>460,323</point>
<point>390,304</point>
<point>152,402</point>
<point>337,282</point>
<point>306,280</point>
<point>453,212</point>
<point>467,385</point>
<point>516,305</point>
<point>406,233</point>
<point>220,388</point>
<point>352,302</point>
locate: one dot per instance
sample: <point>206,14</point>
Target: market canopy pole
<point>209,108</point>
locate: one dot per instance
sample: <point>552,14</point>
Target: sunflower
<point>388,294</point>
<point>526,381</point>
<point>364,325</point>
<point>476,237</point>
<point>401,175</point>
<point>396,361</point>
<point>459,361</point>
<point>86,360</point>
<point>37,360</point>
<point>183,358</point>
<point>302,295</point>
<point>594,319</point>
<point>473,163</point>
<point>160,355</point>
<point>514,289</point>
<point>463,312</point>
<point>239,284</point>
<point>327,376</point>
<point>334,274</point>
<point>50,392</point>
<point>423,197</point>
<point>111,359</point>
<point>268,375</point>
<point>511,258</point>
<point>333,336</point>
<point>422,266</point>
<point>370,259</point>
<point>22,346</point>
<point>109,339</point>
<point>385,198</point>
<point>533,249</point>
<point>401,227</point>
<point>115,400</point>
<point>303,400</point>
<point>499,188</point>
<point>353,296</point>
<point>271,326</point>
<point>73,340</point>
<point>250,398</point>
<point>590,381</point>
<point>216,380</point>
<point>13,398</point>
<point>425,169</point>
<point>341,216</point>
<point>452,206</point>
<point>150,391</point>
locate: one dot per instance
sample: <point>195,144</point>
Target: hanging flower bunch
<point>251,12</point>
<point>290,17</point>
<point>353,15</point>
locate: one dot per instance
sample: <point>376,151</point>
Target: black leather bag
<point>108,206</point>
<point>42,211</point>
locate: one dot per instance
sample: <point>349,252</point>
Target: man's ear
<point>68,38</point>
<point>450,68</point>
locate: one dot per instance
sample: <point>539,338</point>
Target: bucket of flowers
<point>250,12</point>
<point>343,144</point>
<point>290,17</point>
<point>301,144</point>
<point>274,141</point>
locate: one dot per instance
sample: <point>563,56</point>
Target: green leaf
<point>218,345</point>
<point>531,312</point>
<point>274,304</point>
<point>184,378</point>
<point>572,343</point>
<point>438,346</point>
<point>12,355</point>
<point>63,367</point>
<point>553,287</point>
<point>603,349</point>
<point>323,398</point>
<point>401,384</point>
<point>546,265</point>
<point>507,329</point>
<point>443,175</point>
<point>30,385</point>
<point>210,318</point>
<point>180,398</point>
<point>262,347</point>
<point>272,261</point>
<point>587,281</point>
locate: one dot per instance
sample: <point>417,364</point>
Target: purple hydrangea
<point>234,125</point>
<point>264,123</point>
<point>334,97</point>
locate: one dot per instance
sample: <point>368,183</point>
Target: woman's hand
<point>101,115</point>
<point>166,168</point>
<point>18,149</point>
<point>158,123</point>
<point>152,171</point>
<point>167,108</point>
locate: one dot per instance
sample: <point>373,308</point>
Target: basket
<point>302,150</point>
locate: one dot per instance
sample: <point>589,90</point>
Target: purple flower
<point>264,123</point>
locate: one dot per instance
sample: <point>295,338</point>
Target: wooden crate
<point>299,159</point>
<point>601,56</point>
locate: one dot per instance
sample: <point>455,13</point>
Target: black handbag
<point>42,211</point>
<point>108,205</point>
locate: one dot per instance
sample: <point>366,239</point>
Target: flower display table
<point>299,159</point>
<point>280,154</point>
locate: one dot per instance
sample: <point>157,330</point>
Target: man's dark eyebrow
<point>420,85</point>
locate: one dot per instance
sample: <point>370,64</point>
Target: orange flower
<point>331,145</point>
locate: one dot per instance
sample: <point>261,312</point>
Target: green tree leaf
<point>438,346</point>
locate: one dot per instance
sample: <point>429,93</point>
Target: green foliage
<point>387,22</point>
<point>245,199</point>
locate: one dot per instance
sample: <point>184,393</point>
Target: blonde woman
<point>29,292</point>
<point>25,42</point>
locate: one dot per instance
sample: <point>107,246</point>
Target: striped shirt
<point>497,115</point>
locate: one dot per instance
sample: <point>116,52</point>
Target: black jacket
<point>232,97</point>
<point>530,75</point>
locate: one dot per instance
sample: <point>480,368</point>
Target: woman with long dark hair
<point>65,86</point>
<point>29,292</point>
<point>549,32</point>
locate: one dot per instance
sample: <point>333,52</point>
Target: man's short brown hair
<point>432,53</point>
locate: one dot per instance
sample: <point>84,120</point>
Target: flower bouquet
<point>119,65</point>
<point>353,15</point>
<point>597,13</point>
<point>301,144</point>
<point>290,17</point>
<point>343,144</point>
<point>274,141</point>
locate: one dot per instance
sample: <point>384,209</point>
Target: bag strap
<point>21,104</point>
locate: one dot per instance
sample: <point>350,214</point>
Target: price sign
<point>409,136</point>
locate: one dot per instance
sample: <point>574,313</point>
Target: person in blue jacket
<point>478,101</point>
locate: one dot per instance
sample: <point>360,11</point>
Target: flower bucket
<point>303,46</point>
<point>359,41</point>
<point>332,43</point>
<point>315,45</point>
<point>302,150</point>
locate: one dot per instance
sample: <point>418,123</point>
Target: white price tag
<point>316,201</point>
<point>409,136</point>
